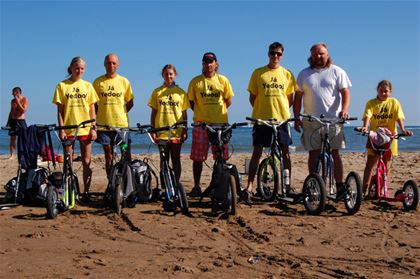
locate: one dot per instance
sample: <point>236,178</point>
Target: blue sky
<point>371,40</point>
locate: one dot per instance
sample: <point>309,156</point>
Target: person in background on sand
<point>210,94</point>
<point>271,89</point>
<point>16,119</point>
<point>324,89</point>
<point>383,111</point>
<point>75,99</point>
<point>169,104</point>
<point>115,101</point>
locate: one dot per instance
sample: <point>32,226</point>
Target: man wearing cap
<point>271,89</point>
<point>210,94</point>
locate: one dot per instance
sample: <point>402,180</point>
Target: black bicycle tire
<point>233,195</point>
<point>315,177</point>
<point>52,202</point>
<point>353,202</point>
<point>267,162</point>
<point>182,199</point>
<point>413,205</point>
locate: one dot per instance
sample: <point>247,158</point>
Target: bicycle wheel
<point>267,179</point>
<point>314,194</point>
<point>116,185</point>
<point>411,195</point>
<point>353,198</point>
<point>182,199</point>
<point>52,202</point>
<point>233,196</point>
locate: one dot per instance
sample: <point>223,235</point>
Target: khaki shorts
<point>313,132</point>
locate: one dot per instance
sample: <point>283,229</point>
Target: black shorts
<point>262,136</point>
<point>15,125</point>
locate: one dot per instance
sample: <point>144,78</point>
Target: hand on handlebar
<point>298,125</point>
<point>343,114</point>
<point>93,134</point>
<point>407,132</point>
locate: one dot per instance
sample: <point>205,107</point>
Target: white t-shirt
<point>321,90</point>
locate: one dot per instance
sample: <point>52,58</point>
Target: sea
<point>241,142</point>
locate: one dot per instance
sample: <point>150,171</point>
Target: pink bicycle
<point>378,186</point>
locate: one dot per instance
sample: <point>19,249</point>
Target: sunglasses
<point>273,53</point>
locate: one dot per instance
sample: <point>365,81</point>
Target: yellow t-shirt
<point>169,102</point>
<point>384,114</point>
<point>271,88</point>
<point>208,95</point>
<point>113,95</point>
<point>76,97</point>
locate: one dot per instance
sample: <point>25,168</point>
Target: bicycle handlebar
<point>118,129</point>
<point>80,125</point>
<point>366,133</point>
<point>322,120</point>
<point>225,126</point>
<point>270,122</point>
<point>181,124</point>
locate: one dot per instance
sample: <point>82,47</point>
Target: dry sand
<point>380,241</point>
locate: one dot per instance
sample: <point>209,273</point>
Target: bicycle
<point>225,180</point>
<point>63,190</point>
<point>121,191</point>
<point>313,193</point>
<point>352,193</point>
<point>175,194</point>
<point>378,186</point>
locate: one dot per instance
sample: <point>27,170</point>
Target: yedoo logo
<point>76,94</point>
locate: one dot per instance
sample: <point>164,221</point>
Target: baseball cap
<point>209,56</point>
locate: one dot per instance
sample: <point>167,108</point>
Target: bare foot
<point>11,157</point>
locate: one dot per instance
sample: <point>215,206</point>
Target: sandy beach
<point>380,241</point>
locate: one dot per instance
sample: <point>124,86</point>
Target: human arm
<point>252,98</point>
<point>184,135</point>
<point>129,105</point>
<point>366,122</point>
<point>21,103</point>
<point>228,102</point>
<point>60,120</point>
<point>152,123</point>
<point>297,106</point>
<point>345,103</point>
<point>92,114</point>
<point>406,132</point>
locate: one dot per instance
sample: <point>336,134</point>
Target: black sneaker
<point>195,192</point>
<point>246,196</point>
<point>84,198</point>
<point>341,191</point>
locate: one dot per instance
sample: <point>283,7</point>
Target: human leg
<point>109,154</point>
<point>85,150</point>
<point>367,174</point>
<point>313,159</point>
<point>199,151</point>
<point>253,166</point>
<point>338,166</point>
<point>12,146</point>
<point>176,159</point>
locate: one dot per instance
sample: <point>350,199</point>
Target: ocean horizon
<point>241,142</point>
